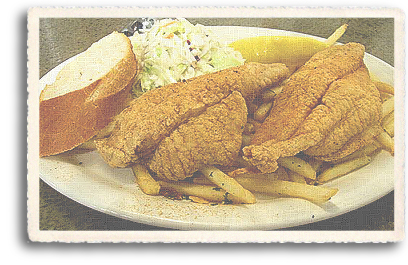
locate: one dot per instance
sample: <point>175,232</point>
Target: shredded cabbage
<point>173,50</point>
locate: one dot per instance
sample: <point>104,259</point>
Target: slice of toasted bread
<point>87,93</point>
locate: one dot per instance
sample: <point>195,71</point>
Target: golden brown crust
<point>350,112</point>
<point>73,118</point>
<point>344,118</point>
<point>355,143</point>
<point>305,88</point>
<point>153,116</point>
<point>212,138</point>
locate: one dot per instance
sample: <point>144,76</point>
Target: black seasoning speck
<point>313,216</point>
<point>80,163</point>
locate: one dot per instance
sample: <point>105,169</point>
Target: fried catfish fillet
<point>212,138</point>
<point>328,109</point>
<point>153,116</point>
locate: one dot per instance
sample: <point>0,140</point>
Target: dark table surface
<point>62,38</point>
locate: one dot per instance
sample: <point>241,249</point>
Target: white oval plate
<point>87,179</point>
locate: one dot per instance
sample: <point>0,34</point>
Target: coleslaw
<point>173,50</point>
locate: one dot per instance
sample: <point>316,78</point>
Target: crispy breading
<point>153,116</point>
<point>304,89</point>
<point>212,138</point>
<point>351,109</point>
<point>343,116</point>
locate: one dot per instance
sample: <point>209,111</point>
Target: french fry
<point>364,151</point>
<point>241,162</point>
<point>88,145</point>
<point>263,110</point>
<point>386,141</point>
<point>389,128</point>
<point>282,174</point>
<point>262,177</point>
<point>145,181</point>
<point>238,171</point>
<point>246,140</point>
<point>249,128</point>
<point>376,152</point>
<point>388,106</point>
<point>253,175</point>
<point>384,87</point>
<point>255,123</point>
<point>336,34</point>
<point>387,119</point>
<point>207,192</point>
<point>198,199</point>
<point>298,165</point>
<point>385,96</point>
<point>343,169</point>
<point>227,183</point>
<point>202,181</point>
<point>316,164</point>
<point>270,94</point>
<point>296,177</point>
<point>316,194</point>
<point>388,124</point>
<point>252,107</point>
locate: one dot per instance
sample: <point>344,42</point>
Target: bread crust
<point>71,119</point>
